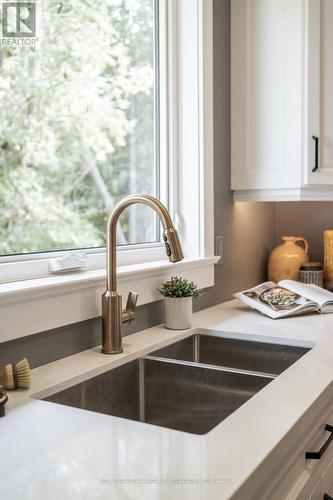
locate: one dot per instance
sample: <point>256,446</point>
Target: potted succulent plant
<point>178,294</point>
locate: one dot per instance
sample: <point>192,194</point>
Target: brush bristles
<point>23,374</point>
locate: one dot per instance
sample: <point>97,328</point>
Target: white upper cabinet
<point>282,100</point>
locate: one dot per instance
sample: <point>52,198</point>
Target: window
<point>80,126</point>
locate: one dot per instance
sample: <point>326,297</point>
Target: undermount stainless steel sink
<point>190,385</point>
<point>247,355</point>
<point>185,397</point>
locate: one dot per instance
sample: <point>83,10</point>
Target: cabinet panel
<point>282,100</point>
<point>316,494</point>
<point>326,88</point>
<point>295,477</point>
<point>320,91</point>
<point>327,482</point>
<point>266,93</point>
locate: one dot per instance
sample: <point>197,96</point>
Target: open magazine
<point>287,298</point>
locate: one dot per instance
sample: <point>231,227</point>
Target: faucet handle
<point>128,314</point>
<point>131,301</point>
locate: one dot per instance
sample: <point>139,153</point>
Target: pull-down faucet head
<point>172,244</point>
<point>112,312</point>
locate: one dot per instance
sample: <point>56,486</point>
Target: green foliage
<point>77,106</point>
<point>179,287</point>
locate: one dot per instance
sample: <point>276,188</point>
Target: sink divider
<point>196,348</point>
<point>142,389</point>
<point>204,366</point>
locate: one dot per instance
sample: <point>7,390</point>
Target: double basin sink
<point>190,385</point>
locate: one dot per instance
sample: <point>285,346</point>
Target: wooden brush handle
<point>7,378</point>
<point>3,401</point>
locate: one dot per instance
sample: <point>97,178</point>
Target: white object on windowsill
<point>178,313</point>
<point>69,263</point>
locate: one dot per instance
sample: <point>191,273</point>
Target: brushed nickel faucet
<point>112,313</point>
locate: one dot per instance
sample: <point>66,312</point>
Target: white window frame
<point>186,42</point>
<point>36,264</point>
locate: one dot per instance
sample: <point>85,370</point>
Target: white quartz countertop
<point>53,452</point>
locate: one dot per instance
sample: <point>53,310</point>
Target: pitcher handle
<point>305,243</point>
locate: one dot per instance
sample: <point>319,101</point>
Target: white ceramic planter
<point>178,313</point>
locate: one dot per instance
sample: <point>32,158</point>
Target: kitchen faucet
<point>112,313</point>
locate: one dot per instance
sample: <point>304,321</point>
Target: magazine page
<point>312,292</point>
<point>276,301</point>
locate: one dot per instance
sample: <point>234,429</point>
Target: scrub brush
<point>3,401</point>
<point>14,376</point>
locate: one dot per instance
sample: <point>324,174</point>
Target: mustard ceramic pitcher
<point>286,259</point>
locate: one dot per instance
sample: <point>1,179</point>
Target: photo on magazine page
<point>276,297</point>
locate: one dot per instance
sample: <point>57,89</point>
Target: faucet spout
<point>112,313</point>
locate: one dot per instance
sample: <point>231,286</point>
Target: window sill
<point>32,306</point>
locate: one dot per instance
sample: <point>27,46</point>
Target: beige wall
<point>308,219</point>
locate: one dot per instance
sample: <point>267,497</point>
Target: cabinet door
<point>320,93</point>
<point>266,93</point>
<point>316,494</point>
<point>327,483</point>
